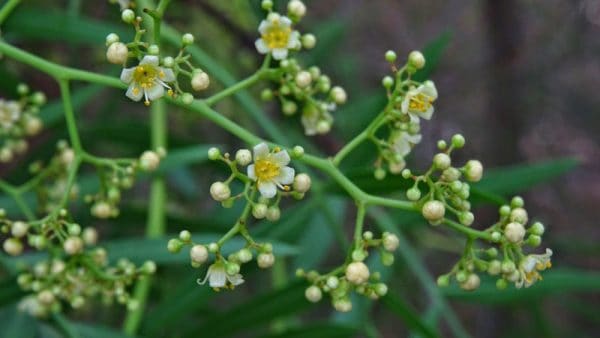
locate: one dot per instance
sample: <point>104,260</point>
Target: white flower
<point>147,79</point>
<point>218,278</point>
<point>418,102</point>
<point>402,142</point>
<point>277,36</point>
<point>270,170</point>
<point>530,266</point>
<point>10,111</point>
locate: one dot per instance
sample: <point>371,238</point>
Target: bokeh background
<point>518,78</point>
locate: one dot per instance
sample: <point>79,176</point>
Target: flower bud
<point>413,194</point>
<point>187,39</point>
<point>332,282</point>
<point>416,59</point>
<point>495,267</point>
<point>472,283</point>
<point>442,161</point>
<point>168,62</point>
<point>313,294</point>
<point>390,242</point>
<point>90,236</point>
<point>101,210</point>
<point>149,267</point>
<point>309,41</point>
<point>303,79</point>
<point>187,98</point>
<point>443,281</point>
<point>214,154</point>
<point>13,246</point>
<point>387,82</point>
<point>390,56</point>
<point>466,218</point>
<point>127,16</point>
<point>296,8</point>
<point>537,229</point>
<point>508,267</point>
<point>73,245</point>
<point>243,157</point>
<point>517,202</point>
<point>149,161</point>
<point>259,210</point>
<point>338,94</point>
<point>46,297</point>
<point>33,125</point>
<point>433,211</point>
<point>473,171</point>
<point>450,175</point>
<point>302,183</point>
<point>297,152</point>
<point>220,191</point>
<point>200,80</point>
<point>111,38</point>
<point>153,50</point>
<point>458,141</point>
<point>514,232</point>
<point>198,254</point>
<point>117,53</point>
<point>357,273</point>
<point>342,305</point>
<point>519,215</point>
<point>19,229</point>
<point>244,255</point>
<point>265,260</point>
<point>289,108</point>
<point>273,213</point>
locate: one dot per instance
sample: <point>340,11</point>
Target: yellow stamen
<point>145,75</point>
<point>277,36</point>
<point>265,169</point>
<point>420,102</point>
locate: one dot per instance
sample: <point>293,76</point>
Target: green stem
<point>249,81</point>
<point>70,116</point>
<point>472,233</point>
<point>64,325</point>
<point>156,214</point>
<point>358,228</point>
<point>8,7</point>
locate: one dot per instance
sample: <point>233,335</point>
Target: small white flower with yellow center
<point>147,80</point>
<point>218,277</point>
<point>418,102</point>
<point>402,142</point>
<point>10,111</point>
<point>530,266</point>
<point>270,170</point>
<point>277,36</point>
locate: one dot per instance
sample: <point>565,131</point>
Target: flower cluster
<point>409,102</point>
<point>299,90</point>
<point>19,119</point>
<point>353,276</point>
<point>267,175</point>
<point>443,198</point>
<point>152,74</point>
<point>75,270</point>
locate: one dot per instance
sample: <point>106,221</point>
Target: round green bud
<point>379,173</point>
<point>187,98</point>
<point>504,210</point>
<point>174,245</point>
<point>508,267</point>
<point>185,235</point>
<point>359,255</point>
<point>309,41</point>
<point>537,228</point>
<point>517,202</point>
<point>461,276</point>
<point>458,141</point>
<point>22,89</point>
<point>406,173</point>
<point>153,50</point>
<point>443,281</point>
<point>416,59</point>
<point>387,82</point>
<point>441,144</point>
<point>387,258</point>
<point>38,98</point>
<point>413,194</point>
<point>213,247</point>
<point>266,95</point>
<point>492,252</point>
<point>267,5</point>
<point>214,153</point>
<point>313,294</point>
<point>127,16</point>
<point>232,268</point>
<point>289,108</point>
<point>187,39</point>
<point>380,289</point>
<point>534,241</point>
<point>442,161</point>
<point>496,236</point>
<point>501,284</point>
<point>111,38</point>
<point>297,152</point>
<point>466,218</point>
<point>390,56</point>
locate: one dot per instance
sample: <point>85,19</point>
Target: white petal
<point>251,173</point>
<point>286,175</point>
<point>404,105</point>
<point>134,92</point>
<point>427,115</point>
<point>294,40</point>
<point>279,53</point>
<point>414,118</point>
<point>267,189</point>
<point>262,28</point>
<point>217,279</point>
<point>285,21</point>
<point>429,89</point>
<point>167,75</point>
<point>261,46</point>
<point>282,158</point>
<point>155,92</point>
<point>127,74</point>
<point>236,279</point>
<point>412,138</point>
<point>150,60</point>
<point>261,150</point>
<point>402,148</point>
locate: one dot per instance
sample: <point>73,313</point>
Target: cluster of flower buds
<point>353,276</point>
<point>510,234</point>
<point>268,176</point>
<point>153,75</point>
<point>117,175</point>
<point>54,179</point>
<point>409,101</point>
<point>19,119</point>
<point>73,274</point>
<point>299,91</point>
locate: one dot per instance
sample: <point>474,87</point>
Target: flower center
<point>145,75</point>
<point>420,102</point>
<point>277,36</point>
<point>265,169</point>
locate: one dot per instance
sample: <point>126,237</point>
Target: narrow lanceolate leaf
<point>519,178</point>
<point>409,316</point>
<point>258,311</point>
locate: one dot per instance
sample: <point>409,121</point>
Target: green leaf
<point>519,178</point>
<point>258,311</point>
<point>97,331</point>
<point>317,330</point>
<point>17,324</point>
<point>556,281</point>
<point>409,317</point>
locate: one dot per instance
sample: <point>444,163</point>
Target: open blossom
<point>418,102</point>
<point>277,36</point>
<point>402,142</point>
<point>530,266</point>
<point>10,111</point>
<point>147,80</point>
<point>270,170</point>
<point>218,277</point>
